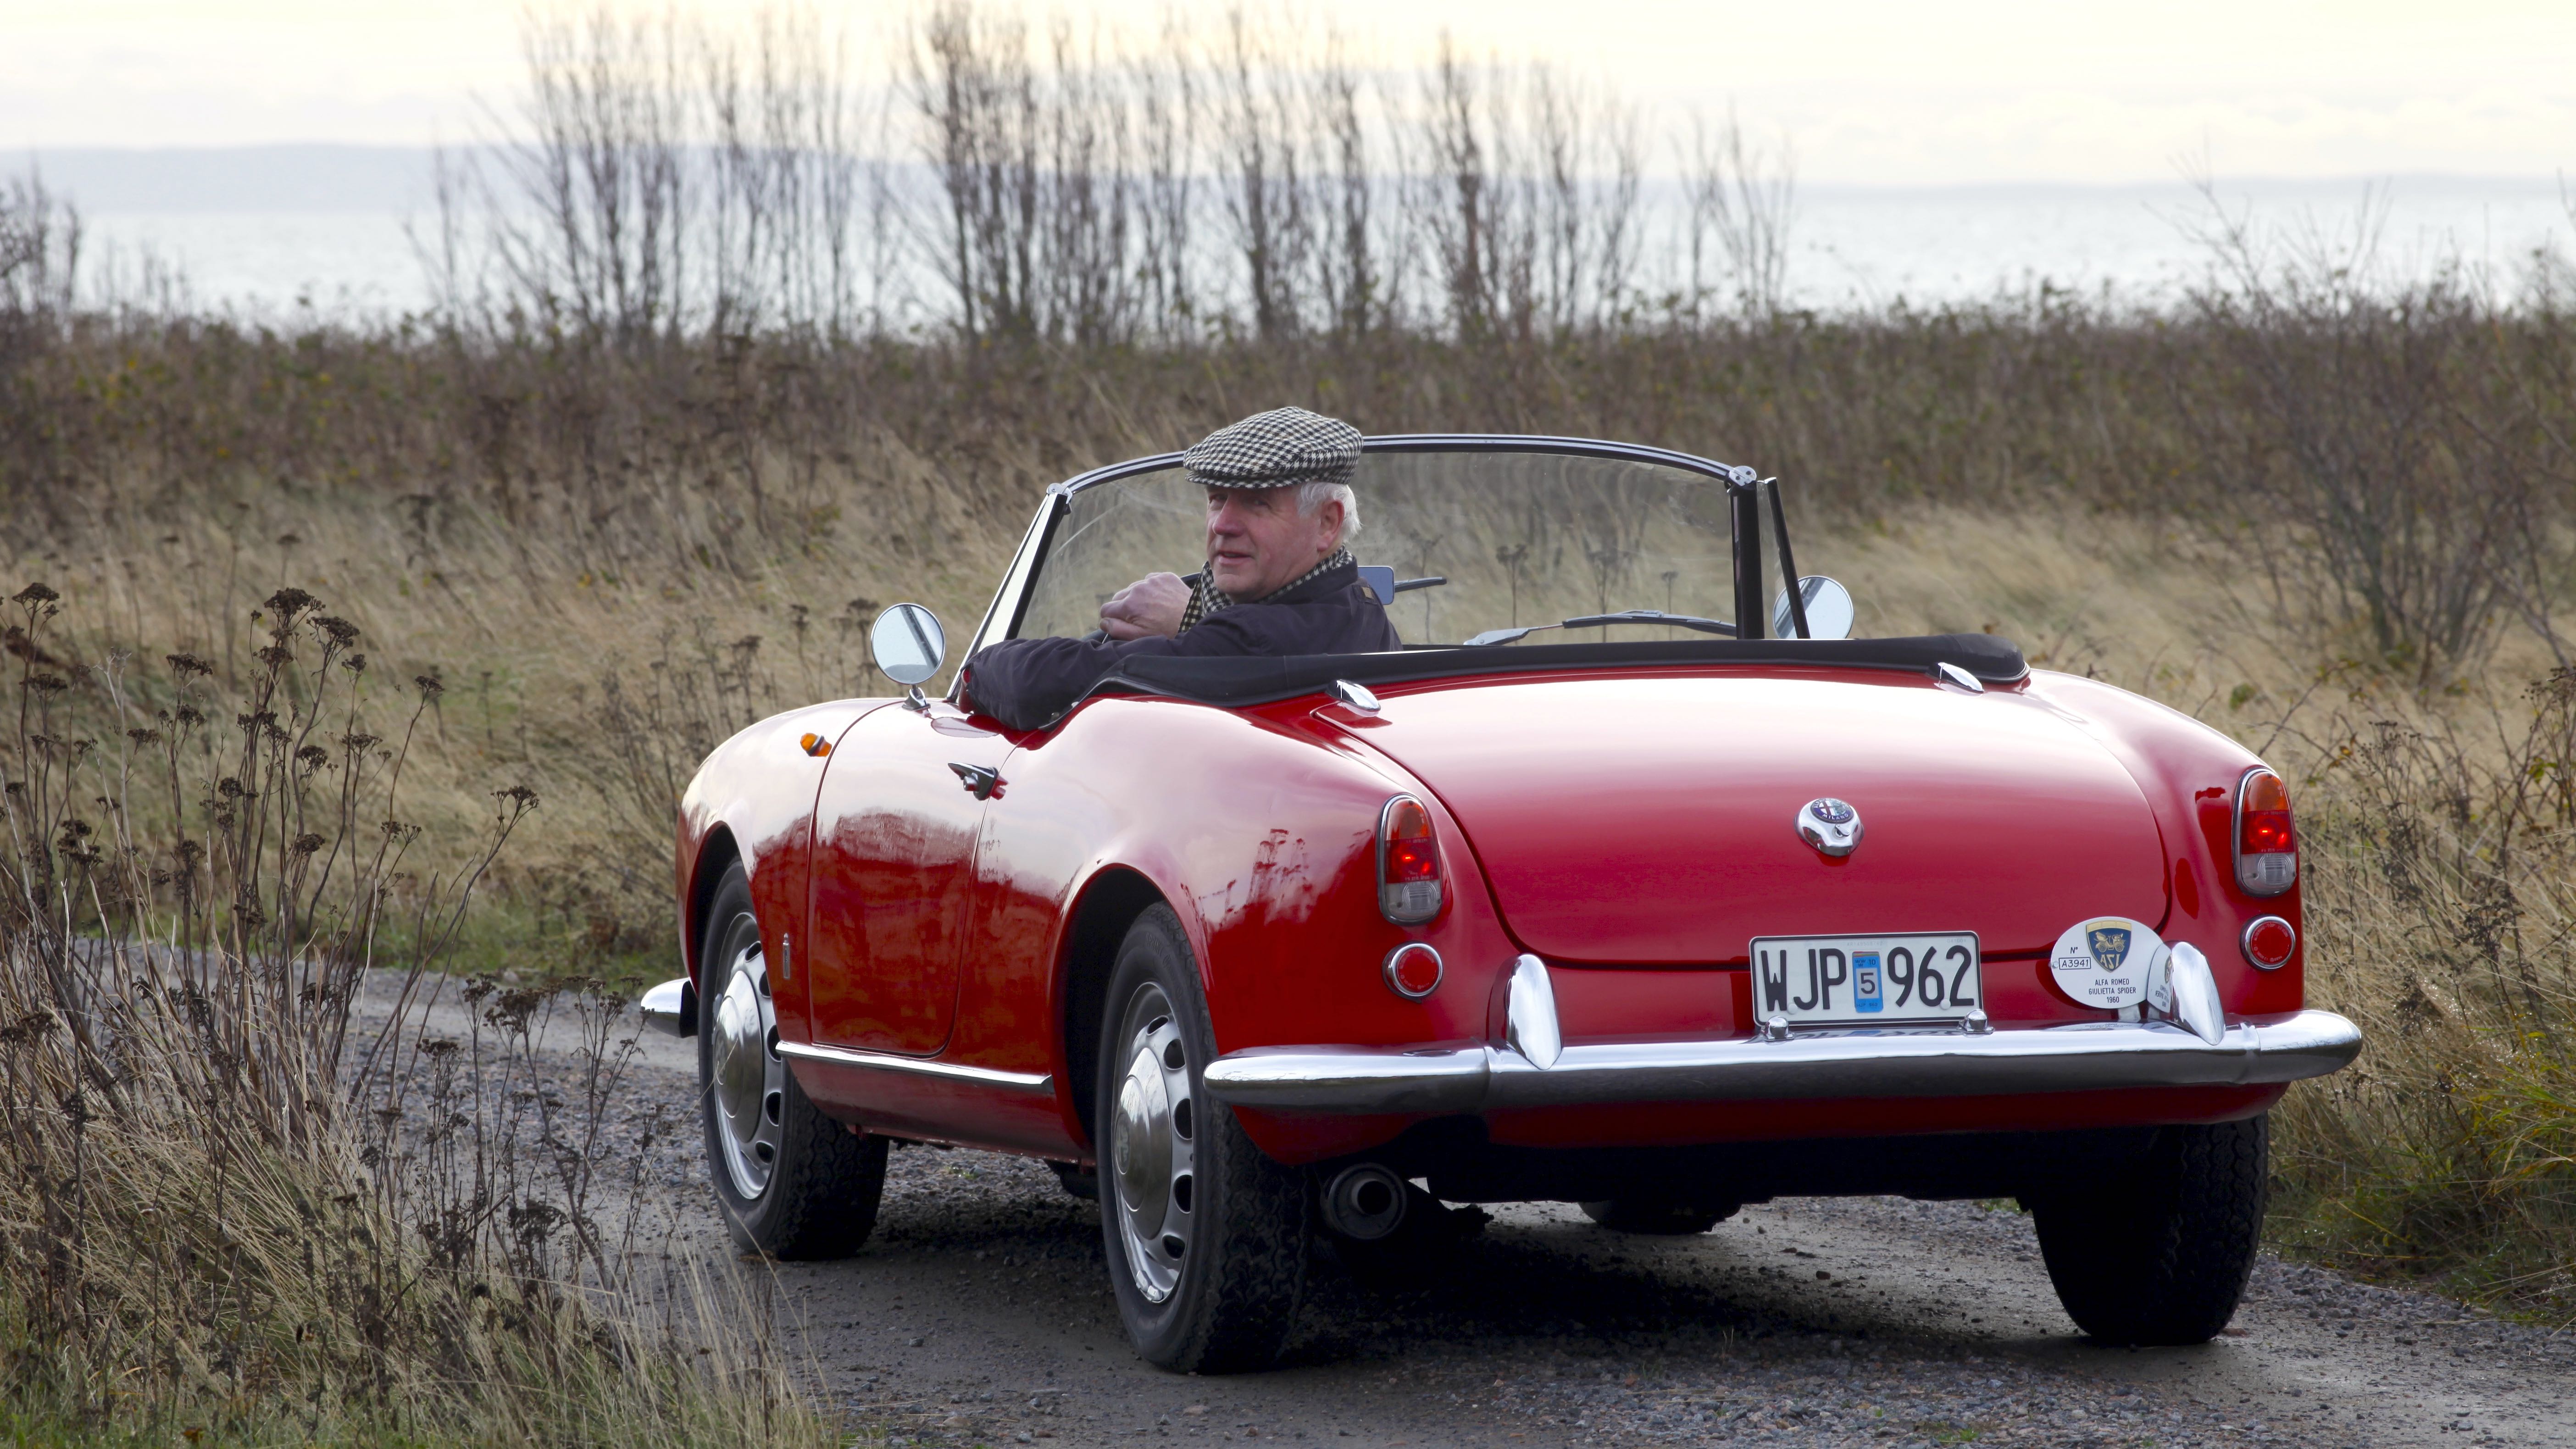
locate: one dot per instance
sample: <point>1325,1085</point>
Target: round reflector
<point>2269,942</point>
<point>1413,970</point>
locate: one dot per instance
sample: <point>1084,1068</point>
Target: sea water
<point>1849,249</point>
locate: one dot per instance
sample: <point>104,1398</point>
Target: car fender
<point>757,792</point>
<point>2189,772</point>
<point>1260,833</point>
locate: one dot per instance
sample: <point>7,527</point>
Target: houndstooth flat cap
<point>1275,449</point>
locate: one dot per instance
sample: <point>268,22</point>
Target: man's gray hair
<point>1312,495</point>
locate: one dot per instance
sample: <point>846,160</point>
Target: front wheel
<point>1205,1236</point>
<point>2160,1255</point>
<point>793,1183</point>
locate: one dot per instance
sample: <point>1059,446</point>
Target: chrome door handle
<point>979,781</point>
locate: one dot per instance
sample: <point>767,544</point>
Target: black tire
<point>1225,1299</point>
<point>2160,1255</point>
<point>823,1181</point>
<point>1655,1216</point>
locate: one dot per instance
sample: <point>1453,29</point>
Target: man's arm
<point>1149,608</point>
<point>1028,683</point>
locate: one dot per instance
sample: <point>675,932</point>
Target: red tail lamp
<point>1408,863</point>
<point>2267,845</point>
<point>2269,942</point>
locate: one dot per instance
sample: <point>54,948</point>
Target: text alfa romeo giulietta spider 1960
<point>1660,902</point>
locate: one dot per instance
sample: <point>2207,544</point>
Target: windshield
<point>1520,539</point>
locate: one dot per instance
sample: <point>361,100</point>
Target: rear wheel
<point>2160,1255</point>
<point>1205,1236</point>
<point>1655,1215</point>
<point>793,1183</point>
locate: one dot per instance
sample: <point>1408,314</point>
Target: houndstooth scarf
<point>1206,599</point>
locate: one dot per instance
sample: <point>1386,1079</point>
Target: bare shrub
<point>1741,198</point>
<point>40,253</point>
<point>40,245</point>
<point>220,1204</point>
<point>2380,444</point>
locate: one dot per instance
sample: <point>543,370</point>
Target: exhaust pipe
<point>1365,1202</point>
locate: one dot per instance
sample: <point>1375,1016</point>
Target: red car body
<point>940,954</point>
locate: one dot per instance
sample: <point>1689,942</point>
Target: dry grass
<point>2442,917</point>
<point>227,1204</point>
<point>595,630</point>
<point>601,688</point>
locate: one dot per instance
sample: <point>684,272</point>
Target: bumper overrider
<point>1532,1067</point>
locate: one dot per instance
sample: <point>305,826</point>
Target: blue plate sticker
<point>1865,988</point>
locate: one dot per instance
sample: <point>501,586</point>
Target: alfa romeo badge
<point>1830,826</point>
<point>2107,961</point>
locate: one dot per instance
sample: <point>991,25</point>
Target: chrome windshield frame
<point>1744,487</point>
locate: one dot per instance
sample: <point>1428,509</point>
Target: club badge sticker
<point>2106,962</point>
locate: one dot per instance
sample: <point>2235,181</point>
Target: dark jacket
<point>1028,683</point>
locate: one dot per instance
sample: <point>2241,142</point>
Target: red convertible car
<point>1612,886</point>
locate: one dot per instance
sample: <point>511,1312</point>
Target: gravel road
<point>979,1314</point>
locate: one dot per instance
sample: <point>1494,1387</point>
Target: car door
<point>895,831</point>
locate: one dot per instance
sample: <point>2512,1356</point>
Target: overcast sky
<point>1873,93</point>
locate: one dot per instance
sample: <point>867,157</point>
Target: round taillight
<point>1413,970</point>
<point>2269,942</point>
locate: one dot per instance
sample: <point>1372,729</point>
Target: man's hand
<point>1149,608</point>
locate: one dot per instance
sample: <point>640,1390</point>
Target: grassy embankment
<point>610,562</point>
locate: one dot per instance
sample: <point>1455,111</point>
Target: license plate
<point>1867,980</point>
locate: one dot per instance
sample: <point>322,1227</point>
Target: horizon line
<point>20,161</point>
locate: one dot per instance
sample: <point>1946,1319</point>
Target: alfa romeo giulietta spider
<point>1618,884</point>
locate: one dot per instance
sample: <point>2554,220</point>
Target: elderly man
<point>1278,578</point>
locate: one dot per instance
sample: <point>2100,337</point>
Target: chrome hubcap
<point>1152,1157</point>
<point>749,1077</point>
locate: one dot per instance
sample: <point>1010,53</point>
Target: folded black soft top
<point>1259,680</point>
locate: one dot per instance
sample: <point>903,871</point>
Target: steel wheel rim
<point>1153,1159</point>
<point>747,1079</point>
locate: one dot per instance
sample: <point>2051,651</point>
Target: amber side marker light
<point>2269,942</point>
<point>2267,845</point>
<point>1408,863</point>
<point>815,745</point>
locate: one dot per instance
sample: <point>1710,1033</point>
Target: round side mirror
<point>907,643</point>
<point>1828,605</point>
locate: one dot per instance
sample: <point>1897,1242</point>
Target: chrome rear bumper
<point>671,1007</point>
<point>1532,1070</point>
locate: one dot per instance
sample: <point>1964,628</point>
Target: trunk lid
<point>1651,820</point>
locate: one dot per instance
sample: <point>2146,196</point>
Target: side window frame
<point>1011,599</point>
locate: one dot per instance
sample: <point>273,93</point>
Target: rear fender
<point>2189,773</point>
<point>1260,834</point>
